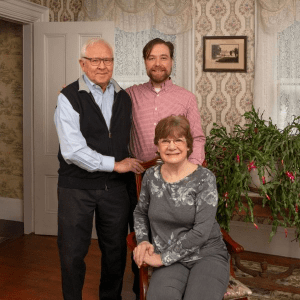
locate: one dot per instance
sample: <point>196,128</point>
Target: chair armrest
<point>232,246</point>
<point>143,271</point>
<point>144,280</point>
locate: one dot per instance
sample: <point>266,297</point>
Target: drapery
<point>166,16</point>
<point>277,15</point>
<point>129,62</point>
<point>139,21</point>
<point>277,69</point>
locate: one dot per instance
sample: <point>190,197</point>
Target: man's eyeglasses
<point>97,61</point>
<point>177,142</point>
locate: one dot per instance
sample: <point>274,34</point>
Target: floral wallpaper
<point>61,10</point>
<point>11,110</point>
<point>224,97</point>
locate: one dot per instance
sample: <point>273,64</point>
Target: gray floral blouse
<point>181,216</point>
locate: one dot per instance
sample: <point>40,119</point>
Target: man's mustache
<point>158,69</point>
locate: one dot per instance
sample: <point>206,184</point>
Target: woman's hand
<point>153,260</point>
<point>141,250</point>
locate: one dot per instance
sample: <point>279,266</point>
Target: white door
<point>56,54</point>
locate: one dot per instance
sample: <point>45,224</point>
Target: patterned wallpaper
<point>222,97</point>
<point>11,110</point>
<point>61,10</point>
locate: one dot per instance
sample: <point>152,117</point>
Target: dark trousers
<point>76,209</point>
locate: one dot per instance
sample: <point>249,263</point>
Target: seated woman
<point>178,204</point>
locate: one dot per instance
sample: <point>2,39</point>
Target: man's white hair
<point>92,42</point>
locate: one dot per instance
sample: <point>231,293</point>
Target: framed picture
<point>225,53</point>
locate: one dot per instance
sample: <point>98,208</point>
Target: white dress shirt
<point>73,146</point>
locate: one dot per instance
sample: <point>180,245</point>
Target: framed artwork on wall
<point>225,54</point>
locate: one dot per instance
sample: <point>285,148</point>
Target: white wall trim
<point>11,209</point>
<point>26,13</point>
<point>257,240</point>
<point>23,11</point>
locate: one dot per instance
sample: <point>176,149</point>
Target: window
<point>129,62</point>
<point>288,74</point>
<point>277,60</point>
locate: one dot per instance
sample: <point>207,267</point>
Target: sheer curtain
<point>137,22</point>
<point>277,70</point>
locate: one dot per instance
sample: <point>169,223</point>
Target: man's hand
<point>143,249</point>
<point>129,164</point>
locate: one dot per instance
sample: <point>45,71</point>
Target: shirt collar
<point>94,87</point>
<point>166,85</point>
<point>85,84</point>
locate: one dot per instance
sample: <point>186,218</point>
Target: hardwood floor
<point>30,270</point>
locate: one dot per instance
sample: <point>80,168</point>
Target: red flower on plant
<point>268,197</point>
<point>290,175</point>
<point>255,226</point>
<point>251,165</point>
<point>238,158</point>
<point>226,195</point>
<point>263,179</point>
<point>286,232</point>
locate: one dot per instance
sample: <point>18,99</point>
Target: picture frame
<point>225,54</point>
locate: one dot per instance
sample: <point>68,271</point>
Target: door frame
<point>26,13</point>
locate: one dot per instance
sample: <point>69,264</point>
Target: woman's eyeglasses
<point>177,142</point>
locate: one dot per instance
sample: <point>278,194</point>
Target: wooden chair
<point>235,290</point>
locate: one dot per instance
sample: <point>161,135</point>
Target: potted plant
<point>273,153</point>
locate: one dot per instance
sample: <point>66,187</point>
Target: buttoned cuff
<point>107,164</point>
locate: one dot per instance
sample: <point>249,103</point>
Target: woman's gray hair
<point>93,41</point>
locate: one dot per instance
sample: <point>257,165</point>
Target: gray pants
<point>204,279</point>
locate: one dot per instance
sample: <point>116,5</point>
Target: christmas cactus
<point>274,153</point>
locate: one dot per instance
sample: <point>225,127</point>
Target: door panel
<point>56,54</point>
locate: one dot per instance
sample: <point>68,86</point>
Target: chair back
<point>138,177</point>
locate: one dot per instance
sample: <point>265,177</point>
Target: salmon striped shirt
<point>149,107</point>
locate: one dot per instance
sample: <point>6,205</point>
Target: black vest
<point>111,141</point>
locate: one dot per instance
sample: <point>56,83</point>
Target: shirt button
<point>155,108</point>
<point>157,95</point>
<point>154,124</point>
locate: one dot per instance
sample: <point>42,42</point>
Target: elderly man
<point>160,98</point>
<point>93,122</point>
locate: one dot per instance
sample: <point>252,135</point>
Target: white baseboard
<point>257,240</point>
<point>11,209</point>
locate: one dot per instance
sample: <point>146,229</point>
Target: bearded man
<point>160,98</point>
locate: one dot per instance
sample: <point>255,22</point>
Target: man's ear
<point>82,63</point>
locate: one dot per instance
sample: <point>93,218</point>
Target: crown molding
<point>23,11</point>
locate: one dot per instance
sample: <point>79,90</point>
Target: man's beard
<point>158,78</point>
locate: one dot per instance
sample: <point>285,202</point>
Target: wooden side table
<point>264,278</point>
